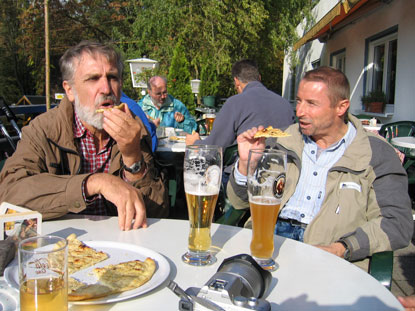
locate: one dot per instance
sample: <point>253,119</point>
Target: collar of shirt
<point>80,131</point>
<point>310,191</point>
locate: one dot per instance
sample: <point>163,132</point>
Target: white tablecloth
<point>307,278</point>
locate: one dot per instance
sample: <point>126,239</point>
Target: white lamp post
<point>139,65</point>
<point>195,84</point>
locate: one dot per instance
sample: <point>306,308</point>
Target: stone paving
<point>403,277</point>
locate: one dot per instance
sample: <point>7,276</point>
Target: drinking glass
<point>43,275</point>
<point>266,180</point>
<point>210,118</point>
<point>202,174</point>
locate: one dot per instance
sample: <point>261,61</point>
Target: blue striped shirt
<point>309,194</point>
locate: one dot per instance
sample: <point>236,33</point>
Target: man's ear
<point>342,107</point>
<point>68,90</point>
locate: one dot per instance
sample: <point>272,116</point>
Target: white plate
<point>180,139</point>
<point>118,252</point>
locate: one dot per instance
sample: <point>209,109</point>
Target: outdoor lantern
<point>195,86</point>
<point>139,65</point>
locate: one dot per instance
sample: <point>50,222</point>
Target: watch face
<point>133,168</point>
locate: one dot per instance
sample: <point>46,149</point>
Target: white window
<point>338,60</point>
<point>381,65</point>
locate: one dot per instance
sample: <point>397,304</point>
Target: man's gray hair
<point>150,82</point>
<point>71,58</point>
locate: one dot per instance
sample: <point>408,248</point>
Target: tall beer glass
<point>43,273</point>
<point>210,118</point>
<point>266,180</point>
<point>202,177</point>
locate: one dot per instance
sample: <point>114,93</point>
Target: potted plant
<point>375,101</point>
<point>209,85</point>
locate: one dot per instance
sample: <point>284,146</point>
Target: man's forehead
<point>91,62</point>
<point>315,86</point>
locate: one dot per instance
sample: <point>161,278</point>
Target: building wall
<point>352,38</point>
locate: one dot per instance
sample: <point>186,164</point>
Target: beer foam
<point>264,200</point>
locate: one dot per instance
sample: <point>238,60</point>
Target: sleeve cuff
<point>240,179</point>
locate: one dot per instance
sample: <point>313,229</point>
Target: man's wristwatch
<point>135,168</point>
<point>347,251</point>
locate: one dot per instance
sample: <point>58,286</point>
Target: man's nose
<point>164,95</point>
<point>105,86</point>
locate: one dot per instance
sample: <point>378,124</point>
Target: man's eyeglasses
<point>161,93</point>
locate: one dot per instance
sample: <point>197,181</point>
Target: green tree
<point>179,79</point>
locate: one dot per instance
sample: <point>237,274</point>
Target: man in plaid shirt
<point>75,158</point>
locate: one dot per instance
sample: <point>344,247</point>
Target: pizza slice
<point>270,132</point>
<point>126,275</point>
<point>119,107</point>
<point>81,256</point>
<point>80,291</point>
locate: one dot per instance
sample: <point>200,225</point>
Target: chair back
<point>230,154</point>
<point>397,129</point>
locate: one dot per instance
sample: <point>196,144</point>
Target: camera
<point>238,284</point>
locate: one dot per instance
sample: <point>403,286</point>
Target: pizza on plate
<point>81,256</point>
<point>119,107</point>
<point>270,132</point>
<point>126,275</point>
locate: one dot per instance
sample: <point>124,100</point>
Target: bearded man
<point>76,159</point>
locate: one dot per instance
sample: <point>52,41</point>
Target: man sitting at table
<point>75,159</point>
<point>254,104</point>
<point>165,110</point>
<point>346,191</point>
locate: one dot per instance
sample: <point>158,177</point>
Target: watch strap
<point>134,168</point>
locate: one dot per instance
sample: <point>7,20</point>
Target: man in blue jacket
<point>136,109</point>
<point>163,109</point>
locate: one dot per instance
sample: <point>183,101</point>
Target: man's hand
<point>337,249</point>
<point>246,142</point>
<point>408,302</point>
<point>191,138</point>
<point>179,117</point>
<point>126,131</point>
<point>156,122</point>
<point>126,198</point>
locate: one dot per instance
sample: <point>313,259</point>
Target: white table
<point>404,141</point>
<point>307,279</point>
<point>166,145</point>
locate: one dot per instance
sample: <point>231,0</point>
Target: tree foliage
<point>211,34</point>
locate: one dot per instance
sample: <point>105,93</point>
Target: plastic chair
<point>381,268</point>
<point>230,215</point>
<point>201,127</point>
<point>400,129</point>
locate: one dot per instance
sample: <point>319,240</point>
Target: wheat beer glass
<point>43,276</point>
<point>210,118</point>
<point>202,174</point>
<point>266,179</point>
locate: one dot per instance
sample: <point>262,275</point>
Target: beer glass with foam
<point>210,118</point>
<point>202,174</point>
<point>43,276</point>
<point>266,180</point>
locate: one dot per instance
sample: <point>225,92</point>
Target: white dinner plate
<point>118,252</point>
<point>179,139</point>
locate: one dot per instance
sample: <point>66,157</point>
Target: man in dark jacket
<point>253,105</point>
<point>76,159</point>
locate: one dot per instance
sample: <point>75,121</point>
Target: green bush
<point>209,82</point>
<point>179,79</point>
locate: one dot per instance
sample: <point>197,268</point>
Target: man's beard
<point>156,103</point>
<point>88,114</point>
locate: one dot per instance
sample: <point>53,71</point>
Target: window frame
<point>384,37</point>
<point>337,55</point>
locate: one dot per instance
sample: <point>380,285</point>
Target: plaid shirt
<point>92,161</point>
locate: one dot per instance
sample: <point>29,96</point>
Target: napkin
<point>7,252</point>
